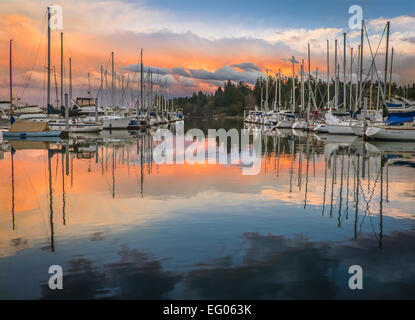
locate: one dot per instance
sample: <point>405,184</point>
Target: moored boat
<point>117,122</point>
<point>404,132</point>
<point>27,129</point>
<point>75,126</point>
<point>321,127</point>
<point>299,125</point>
<point>284,123</point>
<point>340,128</point>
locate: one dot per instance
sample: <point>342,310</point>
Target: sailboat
<point>286,121</point>
<point>301,124</point>
<point>25,129</point>
<point>402,132</point>
<point>113,119</point>
<point>336,126</point>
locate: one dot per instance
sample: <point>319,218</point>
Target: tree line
<point>232,98</point>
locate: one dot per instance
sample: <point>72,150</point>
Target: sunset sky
<point>195,45</point>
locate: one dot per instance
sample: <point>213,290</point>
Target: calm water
<point>124,227</point>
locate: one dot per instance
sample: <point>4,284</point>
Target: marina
<point>148,154</point>
<point>391,119</point>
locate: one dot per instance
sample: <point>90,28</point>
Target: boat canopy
<point>394,119</point>
<point>85,102</point>
<point>393,105</point>
<point>28,126</point>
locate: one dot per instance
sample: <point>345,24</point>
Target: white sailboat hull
<point>391,133</point>
<point>152,121</point>
<point>321,128</point>
<point>267,122</point>
<point>340,129</point>
<point>358,130</point>
<point>117,123</point>
<point>284,124</point>
<point>299,125</point>
<point>76,127</point>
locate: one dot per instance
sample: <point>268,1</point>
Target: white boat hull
<point>358,130</point>
<point>152,121</point>
<point>299,125</point>
<point>284,124</point>
<point>117,123</point>
<point>340,129</point>
<point>321,128</point>
<point>390,133</point>
<point>77,128</point>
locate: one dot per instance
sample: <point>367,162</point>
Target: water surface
<point>124,227</point>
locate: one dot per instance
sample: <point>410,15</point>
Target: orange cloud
<point>90,38</point>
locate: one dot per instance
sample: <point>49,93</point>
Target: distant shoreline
<point>220,117</point>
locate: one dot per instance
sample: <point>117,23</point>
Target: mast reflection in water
<point>123,226</point>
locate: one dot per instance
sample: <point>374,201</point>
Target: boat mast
<point>336,78</point>
<point>66,113</point>
<point>377,98</point>
<point>361,66</point>
<point>122,90</point>
<point>112,80</point>
<point>344,70</point>
<point>102,85</point>
<point>371,92</point>
<point>338,82</point>
<point>48,93</point>
<point>293,96</point>
<point>166,103</point>
<point>151,91</point>
<point>279,89</point>
<point>266,93</point>
<point>61,68</point>
<point>357,78</point>
<point>276,95</point>
<point>11,78</point>
<point>386,58</point>
<point>317,81</point>
<point>351,76</point>
<point>302,85</point>
<point>309,86</point>
<point>56,88</point>
<point>141,83</point>
<point>328,75</point>
<point>89,86</point>
<point>390,77</point>
<point>70,83</point>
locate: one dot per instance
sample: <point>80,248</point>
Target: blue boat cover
<point>398,119</point>
<point>393,105</point>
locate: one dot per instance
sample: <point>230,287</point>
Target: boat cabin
<point>85,102</point>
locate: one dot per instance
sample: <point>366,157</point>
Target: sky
<point>193,45</point>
